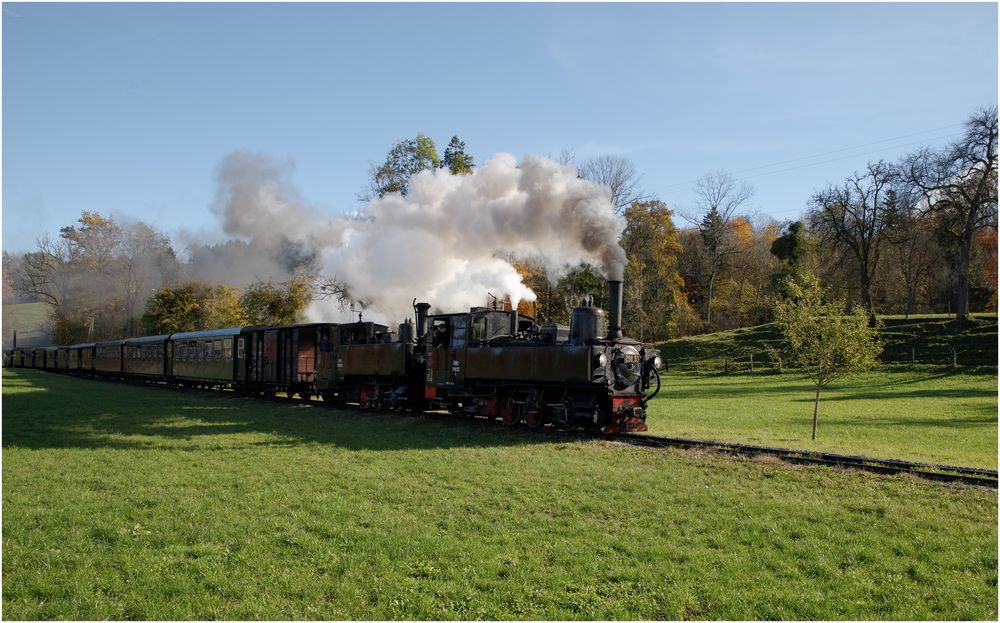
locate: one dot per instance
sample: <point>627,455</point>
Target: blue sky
<point>128,109</point>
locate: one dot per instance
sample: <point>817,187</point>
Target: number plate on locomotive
<point>630,358</point>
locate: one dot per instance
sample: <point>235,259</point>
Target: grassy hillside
<point>929,338</point>
<point>142,503</point>
<point>29,320</point>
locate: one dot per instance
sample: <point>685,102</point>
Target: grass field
<point>923,413</point>
<point>138,502</point>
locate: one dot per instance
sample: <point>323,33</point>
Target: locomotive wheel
<point>366,398</point>
<point>508,411</point>
<point>534,416</point>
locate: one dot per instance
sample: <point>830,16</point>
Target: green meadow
<point>921,413</point>
<point>931,410</point>
<point>129,502</point>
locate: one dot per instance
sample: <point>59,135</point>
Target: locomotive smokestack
<point>421,309</point>
<point>614,309</point>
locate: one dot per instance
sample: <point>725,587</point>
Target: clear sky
<point>128,109</point>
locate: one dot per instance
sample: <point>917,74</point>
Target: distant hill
<point>28,319</point>
<point>930,338</point>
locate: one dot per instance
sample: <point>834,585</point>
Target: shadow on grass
<point>47,410</point>
<point>972,421</point>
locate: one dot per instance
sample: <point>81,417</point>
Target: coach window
<point>227,349</point>
<point>216,348</point>
<point>240,347</point>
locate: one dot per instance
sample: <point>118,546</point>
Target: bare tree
<point>857,217</point>
<point>46,274</point>
<point>720,196</point>
<point>143,251</point>
<point>618,174</point>
<point>959,188</point>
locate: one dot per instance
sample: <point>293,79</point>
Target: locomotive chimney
<point>513,320</point>
<point>614,309</point>
<point>421,309</point>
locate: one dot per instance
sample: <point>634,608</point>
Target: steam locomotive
<point>486,362</point>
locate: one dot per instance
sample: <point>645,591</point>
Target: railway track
<point>954,474</point>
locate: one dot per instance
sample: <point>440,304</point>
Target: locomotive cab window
<point>441,332</point>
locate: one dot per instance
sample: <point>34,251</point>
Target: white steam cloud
<point>447,242</point>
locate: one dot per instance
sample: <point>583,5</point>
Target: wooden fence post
<point>751,362</point>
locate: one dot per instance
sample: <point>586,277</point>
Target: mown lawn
<point>137,502</point>
<point>922,413</point>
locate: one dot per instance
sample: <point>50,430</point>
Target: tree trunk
<point>815,413</point>
<point>962,312</point>
<point>708,306</point>
<point>866,297</point>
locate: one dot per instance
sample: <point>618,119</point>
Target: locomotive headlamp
<point>657,362</point>
<point>602,360</point>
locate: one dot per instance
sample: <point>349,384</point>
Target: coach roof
<point>207,335</point>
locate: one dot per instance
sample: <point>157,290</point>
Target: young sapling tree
<point>823,339</point>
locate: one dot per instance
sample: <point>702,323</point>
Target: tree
<point>790,246</point>
<point>455,158</point>
<point>914,251</point>
<point>264,304</point>
<point>720,196</point>
<point>406,158</point>
<point>145,255</point>
<point>855,217</point>
<point>193,307</point>
<point>618,174</point>
<point>653,286</point>
<point>959,188</point>
<point>823,339</point>
<point>95,242</point>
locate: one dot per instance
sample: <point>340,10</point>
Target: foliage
<point>406,158</point>
<point>455,159</point>
<point>790,246</point>
<point>720,197</point>
<point>825,341</point>
<point>134,503</point>
<point>857,217</point>
<point>264,304</point>
<point>653,286</point>
<point>96,276</point>
<point>557,298</point>
<point>193,306</point>
<point>958,185</point>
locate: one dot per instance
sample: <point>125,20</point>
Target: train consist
<point>484,362</point>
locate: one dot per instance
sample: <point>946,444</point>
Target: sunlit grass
<point>926,413</point>
<point>146,503</point>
